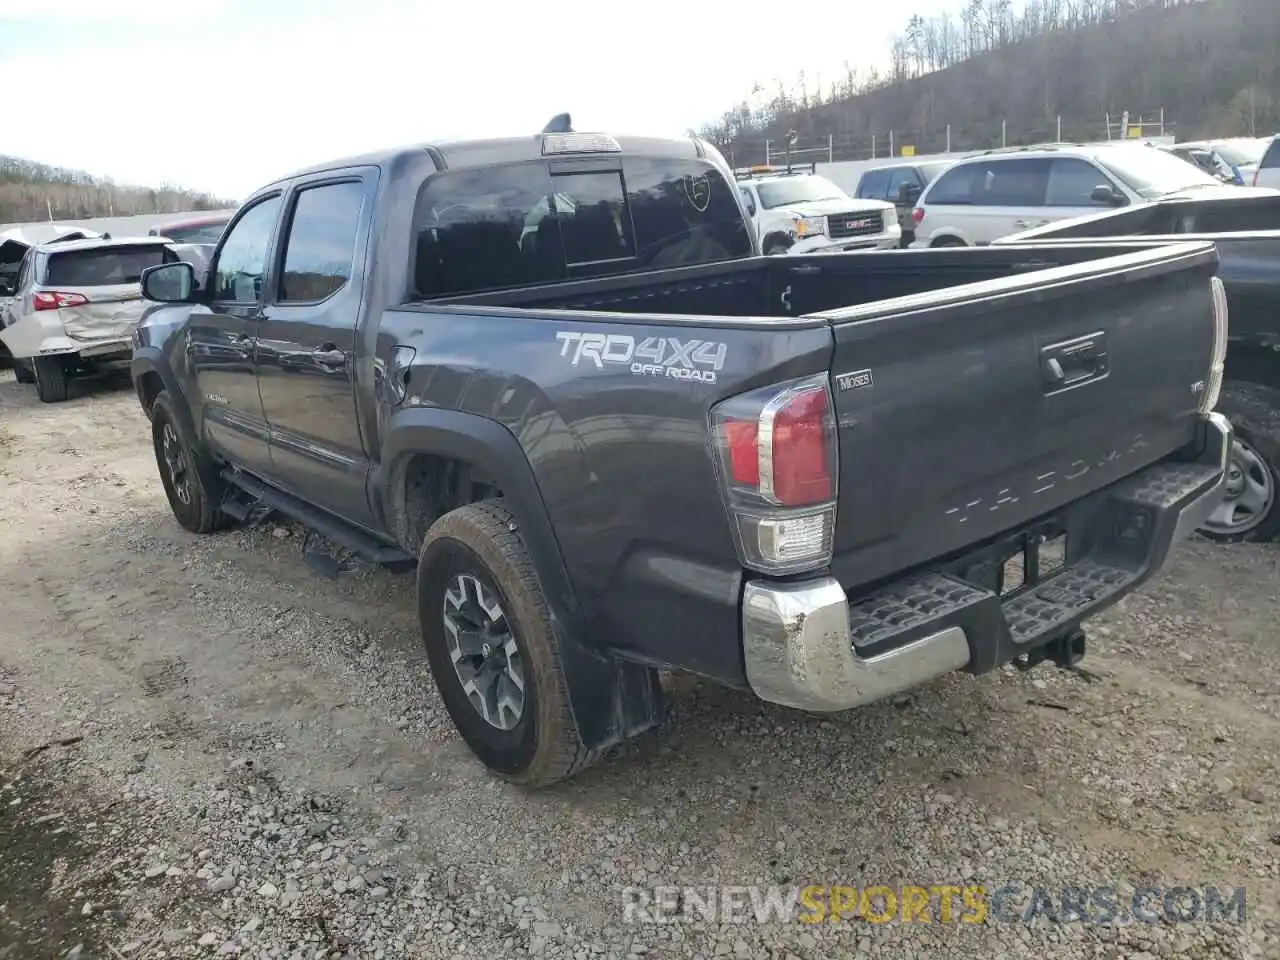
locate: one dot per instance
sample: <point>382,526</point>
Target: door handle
<point>329,355</point>
<point>1022,224</point>
<point>1074,362</point>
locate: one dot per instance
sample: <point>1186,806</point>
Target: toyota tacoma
<point>554,375</point>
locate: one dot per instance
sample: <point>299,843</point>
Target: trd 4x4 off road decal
<point>651,357</point>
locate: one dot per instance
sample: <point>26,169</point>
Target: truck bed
<point>951,430</point>
<point>789,286</point>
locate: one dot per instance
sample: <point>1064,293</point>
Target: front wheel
<point>24,371</point>
<point>492,648</point>
<point>948,242</point>
<point>194,503</point>
<point>1249,511</point>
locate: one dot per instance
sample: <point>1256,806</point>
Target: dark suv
<point>194,230</point>
<point>900,184</point>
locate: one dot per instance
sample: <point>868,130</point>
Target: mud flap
<point>611,700</point>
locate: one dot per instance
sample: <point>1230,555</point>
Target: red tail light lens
<point>917,216</point>
<point>801,461</point>
<point>777,449</point>
<point>53,300</point>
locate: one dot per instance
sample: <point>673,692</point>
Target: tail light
<point>1213,383</point>
<point>53,300</point>
<point>776,449</point>
<point>917,216</point>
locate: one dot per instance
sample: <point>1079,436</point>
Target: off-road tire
<point>53,379</point>
<point>201,512</point>
<point>1254,412</point>
<point>482,539</point>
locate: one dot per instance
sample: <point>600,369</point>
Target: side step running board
<point>262,499</point>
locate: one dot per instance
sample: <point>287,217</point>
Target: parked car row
<point>998,192</point>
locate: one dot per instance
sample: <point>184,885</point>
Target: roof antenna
<point>560,123</point>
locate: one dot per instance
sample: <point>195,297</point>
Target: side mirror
<point>1105,194</point>
<point>909,193</point>
<point>169,282</point>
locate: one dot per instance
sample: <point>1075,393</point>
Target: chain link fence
<point>950,138</point>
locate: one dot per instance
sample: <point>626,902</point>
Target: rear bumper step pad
<point>807,646</point>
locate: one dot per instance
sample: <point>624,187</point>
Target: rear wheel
<point>195,503</point>
<point>948,242</point>
<point>23,371</point>
<point>492,648</point>
<point>1250,509</point>
<point>53,378</point>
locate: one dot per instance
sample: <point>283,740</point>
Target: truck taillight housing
<point>53,300</point>
<point>776,451</point>
<point>917,216</point>
<point>1213,383</point>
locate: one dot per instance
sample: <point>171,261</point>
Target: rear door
<point>981,201</point>
<point>306,344</point>
<point>954,426</point>
<point>1011,196</point>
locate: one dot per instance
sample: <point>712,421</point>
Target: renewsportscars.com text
<point>934,903</point>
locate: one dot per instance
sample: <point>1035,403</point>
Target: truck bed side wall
<point>621,461</point>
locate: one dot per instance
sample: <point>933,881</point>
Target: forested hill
<point>1212,65</point>
<point>32,191</point>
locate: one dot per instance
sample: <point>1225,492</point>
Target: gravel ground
<point>205,750</point>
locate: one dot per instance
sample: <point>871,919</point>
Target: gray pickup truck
<point>553,374</point>
<point>1245,229</point>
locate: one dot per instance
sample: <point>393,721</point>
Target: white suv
<point>801,212</point>
<point>982,198</point>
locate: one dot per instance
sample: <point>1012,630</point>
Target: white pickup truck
<point>798,211</point>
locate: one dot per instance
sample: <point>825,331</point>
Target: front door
<point>220,340</point>
<point>1068,194</point>
<point>307,348</point>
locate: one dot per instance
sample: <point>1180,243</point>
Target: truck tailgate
<point>969,412</point>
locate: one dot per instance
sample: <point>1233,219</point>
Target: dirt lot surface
<point>206,750</point>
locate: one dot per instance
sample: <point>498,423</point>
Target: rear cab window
<point>102,266</point>
<point>521,224</point>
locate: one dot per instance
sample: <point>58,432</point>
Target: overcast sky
<point>225,95</point>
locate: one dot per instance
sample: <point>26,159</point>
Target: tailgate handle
<point>1074,362</point>
<point>806,270</point>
